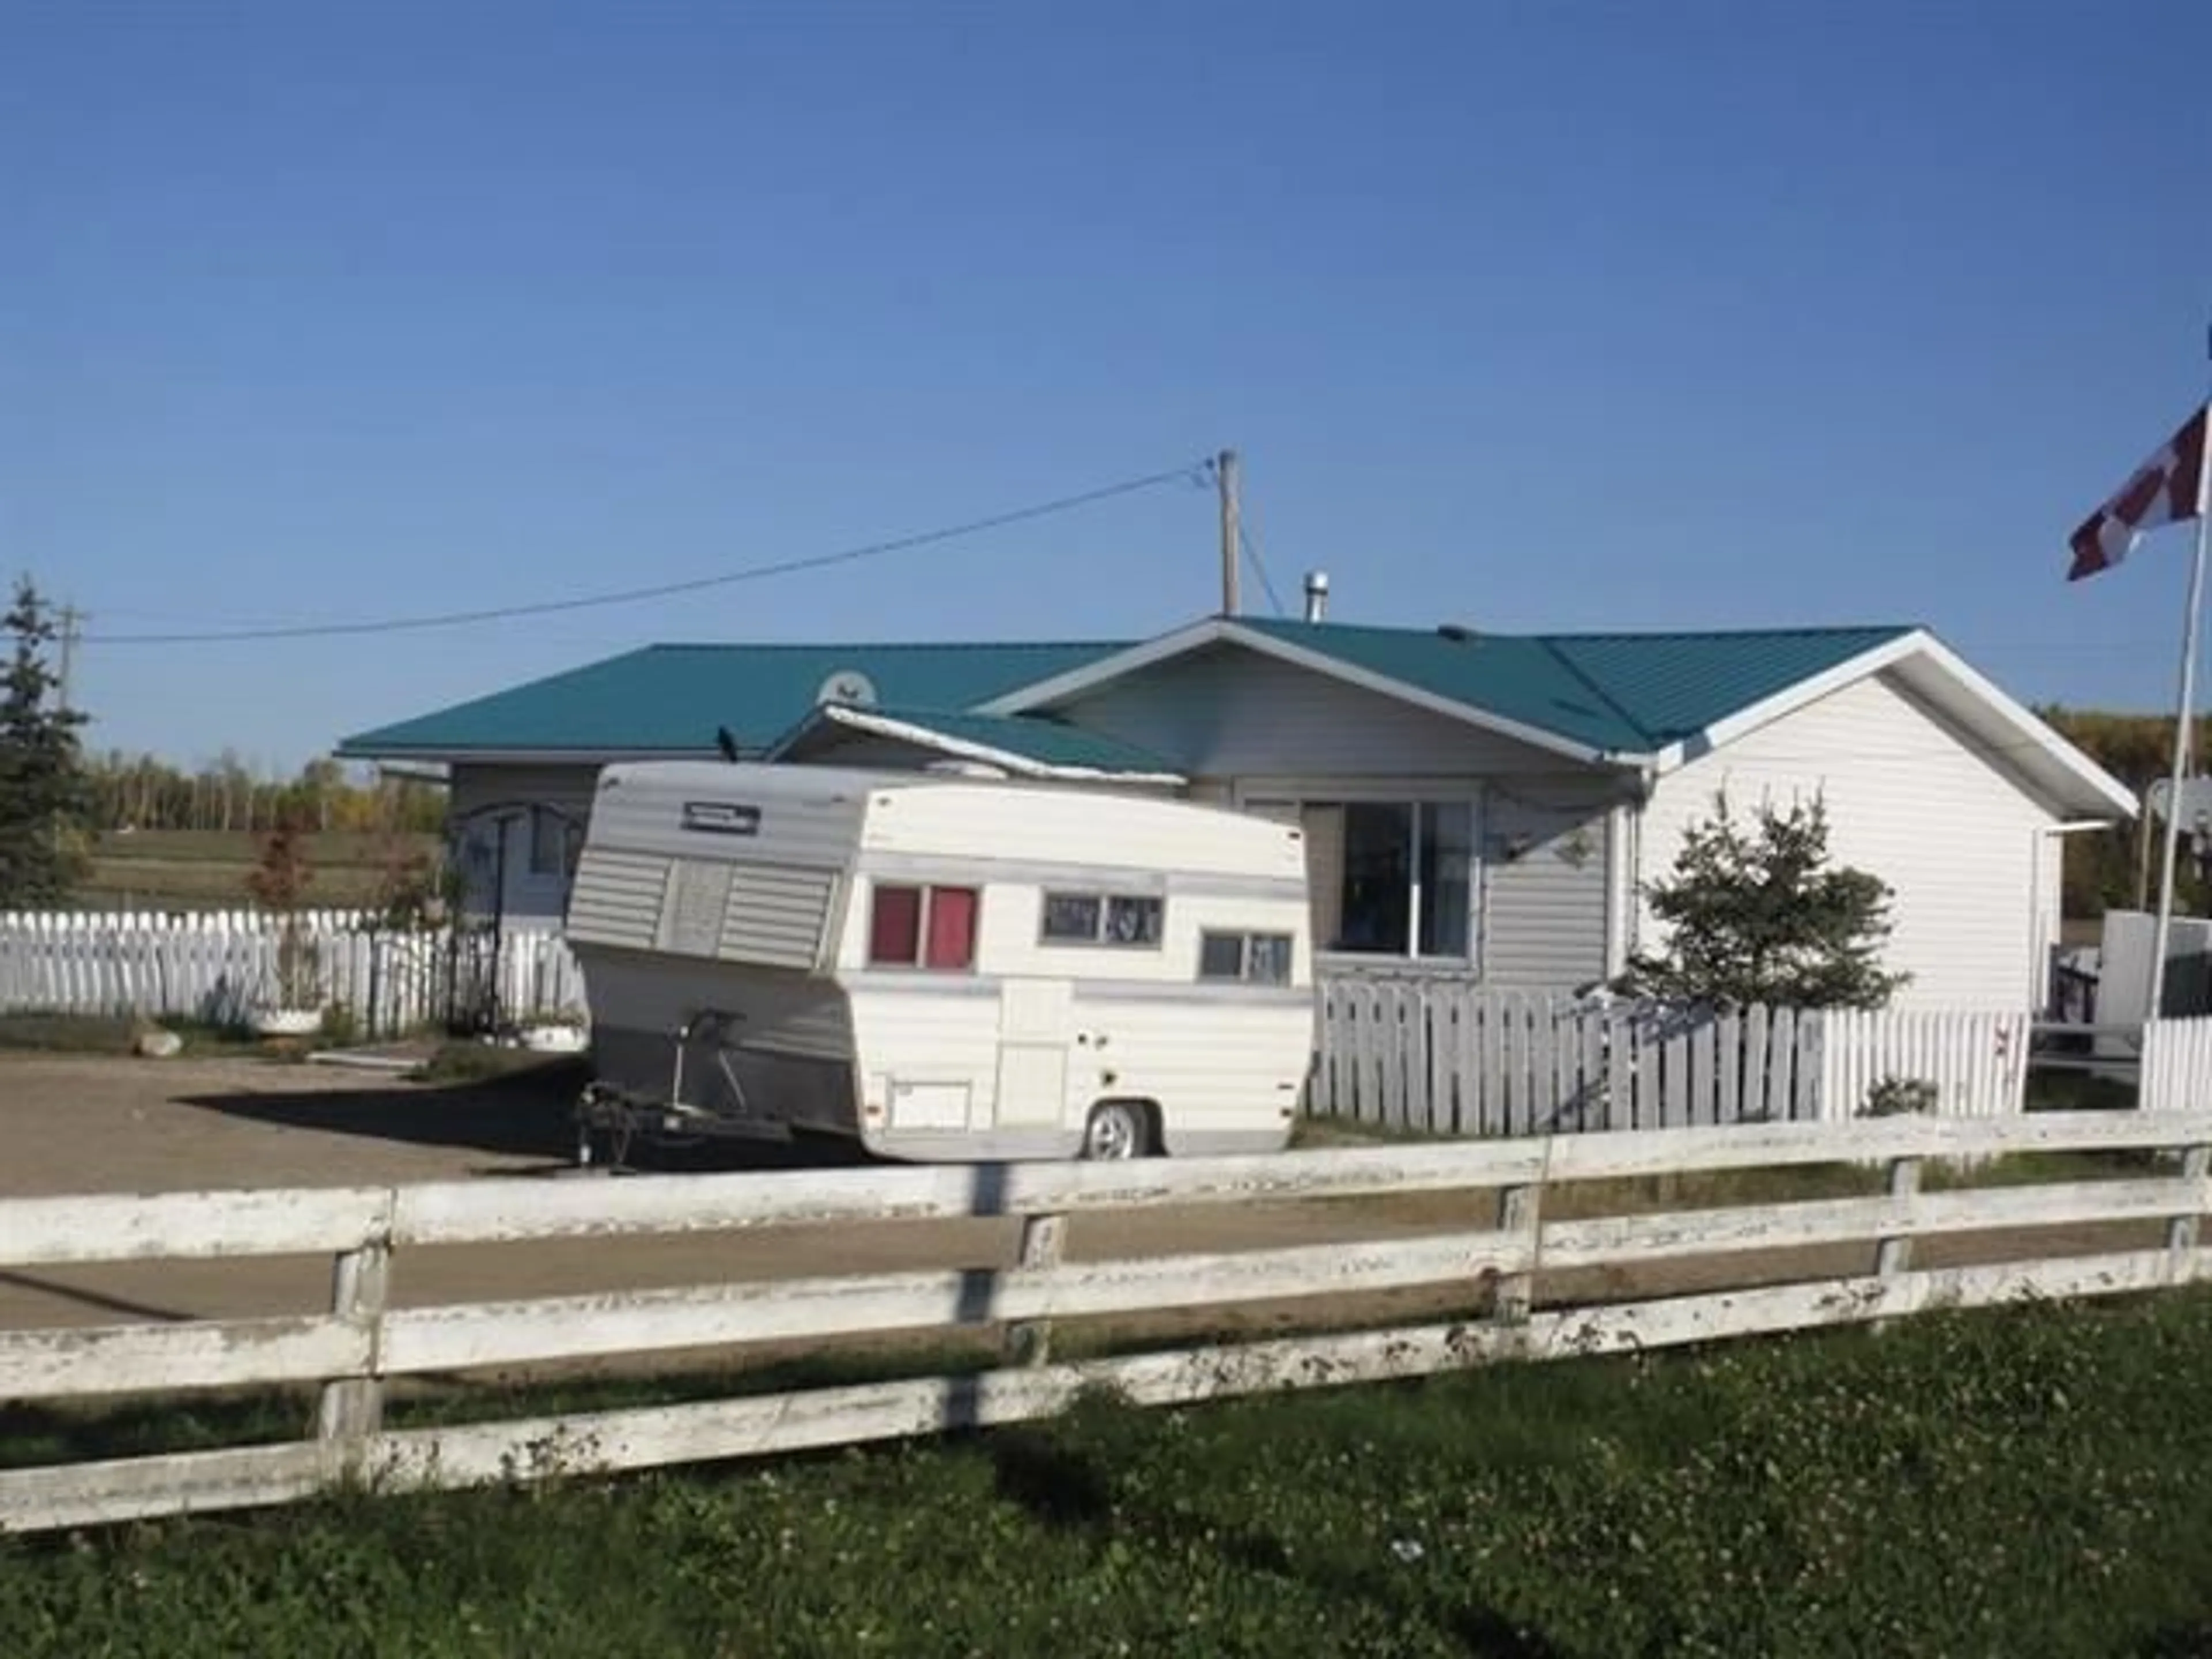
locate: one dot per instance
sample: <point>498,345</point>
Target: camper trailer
<point>942,966</point>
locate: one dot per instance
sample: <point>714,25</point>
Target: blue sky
<point>1558,316</point>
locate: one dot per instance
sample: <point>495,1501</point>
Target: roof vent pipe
<point>1316,595</point>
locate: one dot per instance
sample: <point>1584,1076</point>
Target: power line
<point>1252,552</point>
<point>1193,473</point>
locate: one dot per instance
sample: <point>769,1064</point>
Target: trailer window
<point>1253,958</point>
<point>1102,919</point>
<point>952,927</point>
<point>923,928</point>
<point>895,926</point>
<point>1071,918</point>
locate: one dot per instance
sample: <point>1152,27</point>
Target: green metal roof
<point>672,697</point>
<point>1672,686</point>
<point>1039,739</point>
<point>1628,693</point>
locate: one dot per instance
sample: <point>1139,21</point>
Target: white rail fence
<point>216,966</point>
<point>1442,1055</point>
<point>351,1352</point>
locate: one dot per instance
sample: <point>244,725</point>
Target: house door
<point>1035,1018</point>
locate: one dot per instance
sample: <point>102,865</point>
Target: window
<point>895,926</point>
<point>1377,880</point>
<point>952,928</point>
<point>556,842</point>
<point>1073,918</point>
<point>923,928</point>
<point>1392,879</point>
<point>1268,958</point>
<point>1443,868</point>
<point>1102,919</point>
<point>1253,958</point>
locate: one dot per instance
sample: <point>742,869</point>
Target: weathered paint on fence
<point>360,1342</point>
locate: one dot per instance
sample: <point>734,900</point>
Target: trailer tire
<point>1117,1130</point>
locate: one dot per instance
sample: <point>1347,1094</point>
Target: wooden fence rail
<point>362,1342</point>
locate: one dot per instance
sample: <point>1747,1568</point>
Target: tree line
<point>141,791</point>
<point>55,803</point>
<point>2118,869</point>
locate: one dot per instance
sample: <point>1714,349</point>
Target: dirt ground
<point>93,1125</point>
<point>89,1125</point>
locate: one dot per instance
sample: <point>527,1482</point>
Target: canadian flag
<point>2167,489</point>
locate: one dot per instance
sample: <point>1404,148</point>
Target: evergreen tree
<point>1756,915</point>
<point>46,794</point>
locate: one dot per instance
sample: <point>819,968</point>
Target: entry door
<point>1036,1016</point>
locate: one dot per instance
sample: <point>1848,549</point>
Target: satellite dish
<point>848,685</point>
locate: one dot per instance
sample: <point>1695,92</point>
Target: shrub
<point>1897,1096</point>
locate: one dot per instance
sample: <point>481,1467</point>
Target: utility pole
<point>71,619</point>
<point>1224,477</point>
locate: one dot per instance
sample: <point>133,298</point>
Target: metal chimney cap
<point>1316,595</point>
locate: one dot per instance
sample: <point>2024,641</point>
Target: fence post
<point>1519,1213</point>
<point>351,1409</point>
<point>2181,1232</point>
<point>1892,1254</point>
<point>1029,1342</point>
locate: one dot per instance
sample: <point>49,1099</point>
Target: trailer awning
<point>1021,745</point>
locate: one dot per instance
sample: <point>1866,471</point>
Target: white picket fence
<point>215,967</point>
<point>1495,1279</point>
<point>74,923</point>
<point>1442,1054</point>
<point>2177,1065</point>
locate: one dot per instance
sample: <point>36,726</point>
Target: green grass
<point>206,869</point>
<point>100,1034</point>
<point>2053,1090</point>
<point>2035,1481</point>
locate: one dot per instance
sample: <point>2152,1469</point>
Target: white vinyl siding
<point>1544,887</point>
<point>1542,867</point>
<point>1910,799</point>
<point>1228,711</point>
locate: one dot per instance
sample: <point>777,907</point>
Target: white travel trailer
<point>941,967</point>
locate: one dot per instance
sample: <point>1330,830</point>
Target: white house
<point>1495,803</point>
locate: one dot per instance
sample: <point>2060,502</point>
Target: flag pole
<point>2183,721</point>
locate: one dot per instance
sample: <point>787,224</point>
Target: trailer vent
<point>776,915</point>
<point>617,898</point>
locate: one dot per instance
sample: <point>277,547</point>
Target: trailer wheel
<point>1116,1130</point>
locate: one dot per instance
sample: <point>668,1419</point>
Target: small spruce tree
<point>1756,915</point>
<point>45,791</point>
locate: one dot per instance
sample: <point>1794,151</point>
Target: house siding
<point>1958,836</point>
<point>479,787</point>
<point>1544,858</point>
<point>1544,890</point>
<point>1228,711</point>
